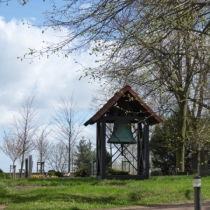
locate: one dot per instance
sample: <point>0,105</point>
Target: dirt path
<point>2,206</point>
<point>181,206</point>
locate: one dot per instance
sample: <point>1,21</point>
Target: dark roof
<point>154,119</point>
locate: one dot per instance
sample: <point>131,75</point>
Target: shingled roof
<point>153,118</point>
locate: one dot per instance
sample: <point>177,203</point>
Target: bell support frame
<point>142,152</point>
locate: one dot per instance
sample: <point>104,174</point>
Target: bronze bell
<point>122,134</point>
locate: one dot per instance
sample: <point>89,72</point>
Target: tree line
<point>59,144</point>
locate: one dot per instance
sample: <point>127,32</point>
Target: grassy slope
<point>75,194</point>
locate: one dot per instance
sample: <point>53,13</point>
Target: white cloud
<point>48,78</point>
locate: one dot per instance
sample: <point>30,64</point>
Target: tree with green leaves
<point>165,140</point>
<point>84,154</point>
<point>198,140</point>
<point>158,47</point>
<point>164,145</point>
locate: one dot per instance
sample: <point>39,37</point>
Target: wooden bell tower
<point>124,111</point>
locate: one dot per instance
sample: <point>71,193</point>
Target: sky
<point>48,79</point>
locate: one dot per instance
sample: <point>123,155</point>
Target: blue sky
<point>33,8</point>
<point>48,79</point>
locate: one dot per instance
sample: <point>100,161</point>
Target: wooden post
<point>103,150</point>
<point>26,168</point>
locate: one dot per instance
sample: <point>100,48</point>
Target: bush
<point>82,172</point>
<point>3,175</point>
<point>55,173</point>
<point>112,171</point>
<point>59,174</point>
<point>51,173</point>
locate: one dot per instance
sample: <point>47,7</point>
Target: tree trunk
<point>180,153</point>
<point>21,166</point>
<point>180,157</point>
<point>69,158</point>
<point>199,161</point>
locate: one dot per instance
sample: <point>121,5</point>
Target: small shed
<point>122,131</point>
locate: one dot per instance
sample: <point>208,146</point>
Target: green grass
<point>78,194</point>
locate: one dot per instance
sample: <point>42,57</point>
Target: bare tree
<point>21,2</point>
<point>67,125</point>
<point>42,144</point>
<point>22,130</point>
<point>58,157</point>
<point>11,146</point>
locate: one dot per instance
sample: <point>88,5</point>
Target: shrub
<point>82,172</point>
<point>59,174</point>
<point>112,171</point>
<point>3,175</point>
<point>55,173</point>
<point>51,173</point>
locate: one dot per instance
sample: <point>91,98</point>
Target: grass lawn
<point>89,193</point>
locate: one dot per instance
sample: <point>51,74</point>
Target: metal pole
<point>30,164</point>
<point>197,192</point>
<point>26,168</point>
